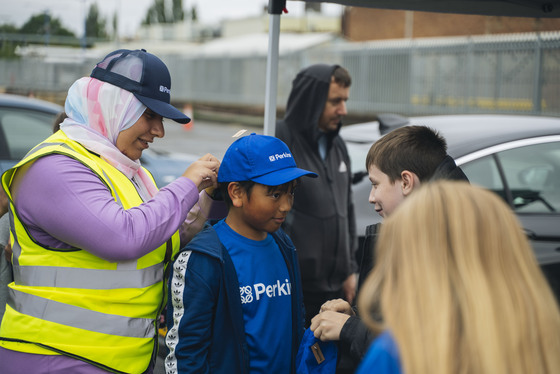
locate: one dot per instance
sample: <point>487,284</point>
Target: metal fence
<point>517,73</point>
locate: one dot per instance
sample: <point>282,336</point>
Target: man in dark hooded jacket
<point>322,221</point>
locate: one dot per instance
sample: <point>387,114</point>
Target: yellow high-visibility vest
<point>70,302</point>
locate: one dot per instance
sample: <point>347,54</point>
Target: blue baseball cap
<point>262,159</point>
<point>143,74</point>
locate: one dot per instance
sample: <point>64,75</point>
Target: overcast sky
<point>132,12</point>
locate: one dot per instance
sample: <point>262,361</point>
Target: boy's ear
<point>236,193</point>
<point>409,181</point>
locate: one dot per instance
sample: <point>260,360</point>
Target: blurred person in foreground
<point>92,236</point>
<point>458,291</point>
<point>397,164</point>
<point>322,223</point>
<point>235,302</point>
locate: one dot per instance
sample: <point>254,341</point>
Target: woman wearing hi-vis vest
<point>91,235</point>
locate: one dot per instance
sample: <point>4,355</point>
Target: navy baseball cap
<point>143,74</point>
<point>262,159</point>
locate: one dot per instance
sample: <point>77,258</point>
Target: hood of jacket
<point>310,90</point>
<point>207,242</point>
<point>448,169</point>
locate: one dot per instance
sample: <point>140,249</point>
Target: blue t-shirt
<point>382,357</point>
<point>265,292</point>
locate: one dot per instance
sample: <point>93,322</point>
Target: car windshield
<point>20,127</point>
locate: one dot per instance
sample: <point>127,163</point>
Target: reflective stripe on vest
<point>89,279</point>
<point>81,318</point>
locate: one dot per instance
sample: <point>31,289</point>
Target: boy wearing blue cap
<point>235,303</point>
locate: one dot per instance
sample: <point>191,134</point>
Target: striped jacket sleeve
<point>193,286</point>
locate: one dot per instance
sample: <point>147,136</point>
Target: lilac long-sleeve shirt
<point>64,204</point>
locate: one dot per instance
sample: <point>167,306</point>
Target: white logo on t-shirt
<point>262,290</point>
<point>246,294</point>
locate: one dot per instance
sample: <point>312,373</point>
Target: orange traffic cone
<point>188,110</point>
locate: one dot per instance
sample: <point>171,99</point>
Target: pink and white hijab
<point>97,112</point>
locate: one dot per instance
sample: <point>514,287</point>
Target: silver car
<point>517,157</point>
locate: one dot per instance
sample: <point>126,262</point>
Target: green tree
<point>96,26</point>
<point>39,28</point>
<point>155,13</point>
<point>194,13</point>
<point>162,11</point>
<point>115,26</point>
<point>44,24</point>
<point>178,12</point>
<point>161,14</point>
<point>8,47</point>
<point>8,29</point>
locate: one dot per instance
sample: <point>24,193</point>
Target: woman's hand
<point>204,172</point>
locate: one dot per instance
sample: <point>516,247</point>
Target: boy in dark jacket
<point>235,302</point>
<point>397,164</point>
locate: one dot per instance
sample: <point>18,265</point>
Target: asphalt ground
<point>201,136</point>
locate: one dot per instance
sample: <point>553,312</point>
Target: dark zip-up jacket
<point>322,221</point>
<point>204,297</point>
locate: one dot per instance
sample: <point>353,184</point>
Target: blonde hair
<point>459,288</point>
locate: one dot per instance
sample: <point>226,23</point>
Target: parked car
<point>517,157</point>
<point>25,122</point>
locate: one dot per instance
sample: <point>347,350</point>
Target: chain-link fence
<point>517,73</point>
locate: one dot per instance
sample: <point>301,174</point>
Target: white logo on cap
<point>164,89</point>
<point>280,156</point>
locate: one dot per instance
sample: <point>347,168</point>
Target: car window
<point>23,130</point>
<point>357,153</point>
<point>532,174</point>
<point>484,172</point>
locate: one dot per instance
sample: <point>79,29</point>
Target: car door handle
<point>530,234</point>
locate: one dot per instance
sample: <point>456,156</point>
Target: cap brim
<point>282,176</point>
<point>163,109</point>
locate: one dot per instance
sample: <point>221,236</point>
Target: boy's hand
<point>327,325</point>
<point>337,305</point>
